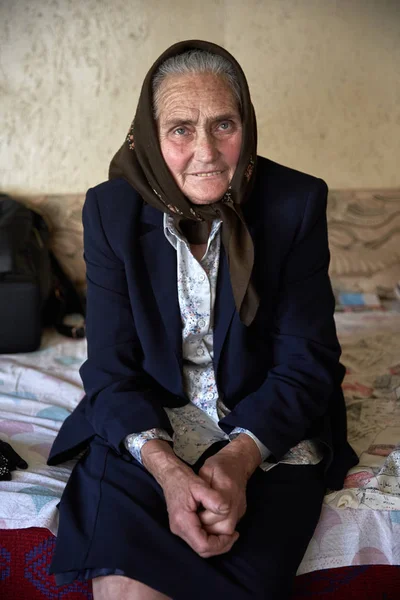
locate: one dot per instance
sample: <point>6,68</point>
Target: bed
<point>359,525</point>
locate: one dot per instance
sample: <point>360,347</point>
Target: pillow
<point>364,238</point>
<point>63,214</point>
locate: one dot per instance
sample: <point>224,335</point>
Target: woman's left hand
<point>228,472</point>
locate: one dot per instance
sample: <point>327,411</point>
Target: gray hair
<point>194,62</point>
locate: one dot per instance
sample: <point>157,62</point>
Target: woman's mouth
<point>207,174</point>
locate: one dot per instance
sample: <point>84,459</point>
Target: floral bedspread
<point>38,390</point>
<point>371,354</point>
<point>346,535</point>
<point>359,524</point>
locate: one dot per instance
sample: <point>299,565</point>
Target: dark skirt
<point>113,520</point>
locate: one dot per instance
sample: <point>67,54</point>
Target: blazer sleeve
<point>121,397</point>
<point>305,351</point>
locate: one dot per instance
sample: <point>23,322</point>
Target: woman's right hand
<point>186,495</point>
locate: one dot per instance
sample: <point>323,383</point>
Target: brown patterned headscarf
<point>140,162</point>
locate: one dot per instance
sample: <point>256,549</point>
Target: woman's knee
<point>113,587</point>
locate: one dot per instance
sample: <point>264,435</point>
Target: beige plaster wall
<point>324,75</point>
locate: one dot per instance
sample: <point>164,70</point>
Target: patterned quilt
<point>359,524</point>
<point>37,392</point>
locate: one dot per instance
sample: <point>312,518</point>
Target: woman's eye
<point>180,131</point>
<point>225,125</point>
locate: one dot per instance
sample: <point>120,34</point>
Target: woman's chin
<point>206,193</point>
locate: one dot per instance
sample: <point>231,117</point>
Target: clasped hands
<point>205,509</point>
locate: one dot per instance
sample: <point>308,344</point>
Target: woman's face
<point>200,134</point>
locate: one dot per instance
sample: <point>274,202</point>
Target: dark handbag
<point>34,290</point>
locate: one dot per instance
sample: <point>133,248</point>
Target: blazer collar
<point>224,308</point>
<point>160,259</point>
<point>152,216</point>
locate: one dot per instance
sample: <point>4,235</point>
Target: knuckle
<point>201,548</point>
<point>225,528</point>
<point>229,542</point>
<point>230,528</point>
<point>199,486</point>
<point>175,525</point>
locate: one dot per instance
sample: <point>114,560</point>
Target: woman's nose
<point>206,148</point>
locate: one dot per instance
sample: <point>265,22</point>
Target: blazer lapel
<point>224,303</point>
<point>160,259</point>
<point>224,307</point>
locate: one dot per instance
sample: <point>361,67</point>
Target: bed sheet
<point>359,524</point>
<point>38,390</point>
<point>371,354</point>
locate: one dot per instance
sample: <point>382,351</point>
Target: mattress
<point>359,525</point>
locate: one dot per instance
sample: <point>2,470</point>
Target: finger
<point>189,528</point>
<point>217,523</point>
<point>187,525</point>
<point>207,545</point>
<point>224,527</point>
<point>211,499</point>
<point>206,474</point>
<point>219,544</point>
<point>207,517</point>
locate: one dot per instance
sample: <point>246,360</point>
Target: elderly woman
<point>213,420</point>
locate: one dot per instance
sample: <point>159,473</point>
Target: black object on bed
<point>34,291</point>
<point>9,461</point>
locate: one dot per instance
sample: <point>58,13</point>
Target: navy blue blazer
<point>281,377</point>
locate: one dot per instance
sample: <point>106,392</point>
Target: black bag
<point>34,290</point>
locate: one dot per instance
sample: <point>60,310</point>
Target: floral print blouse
<point>195,425</point>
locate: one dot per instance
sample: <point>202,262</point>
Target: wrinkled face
<point>200,134</point>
